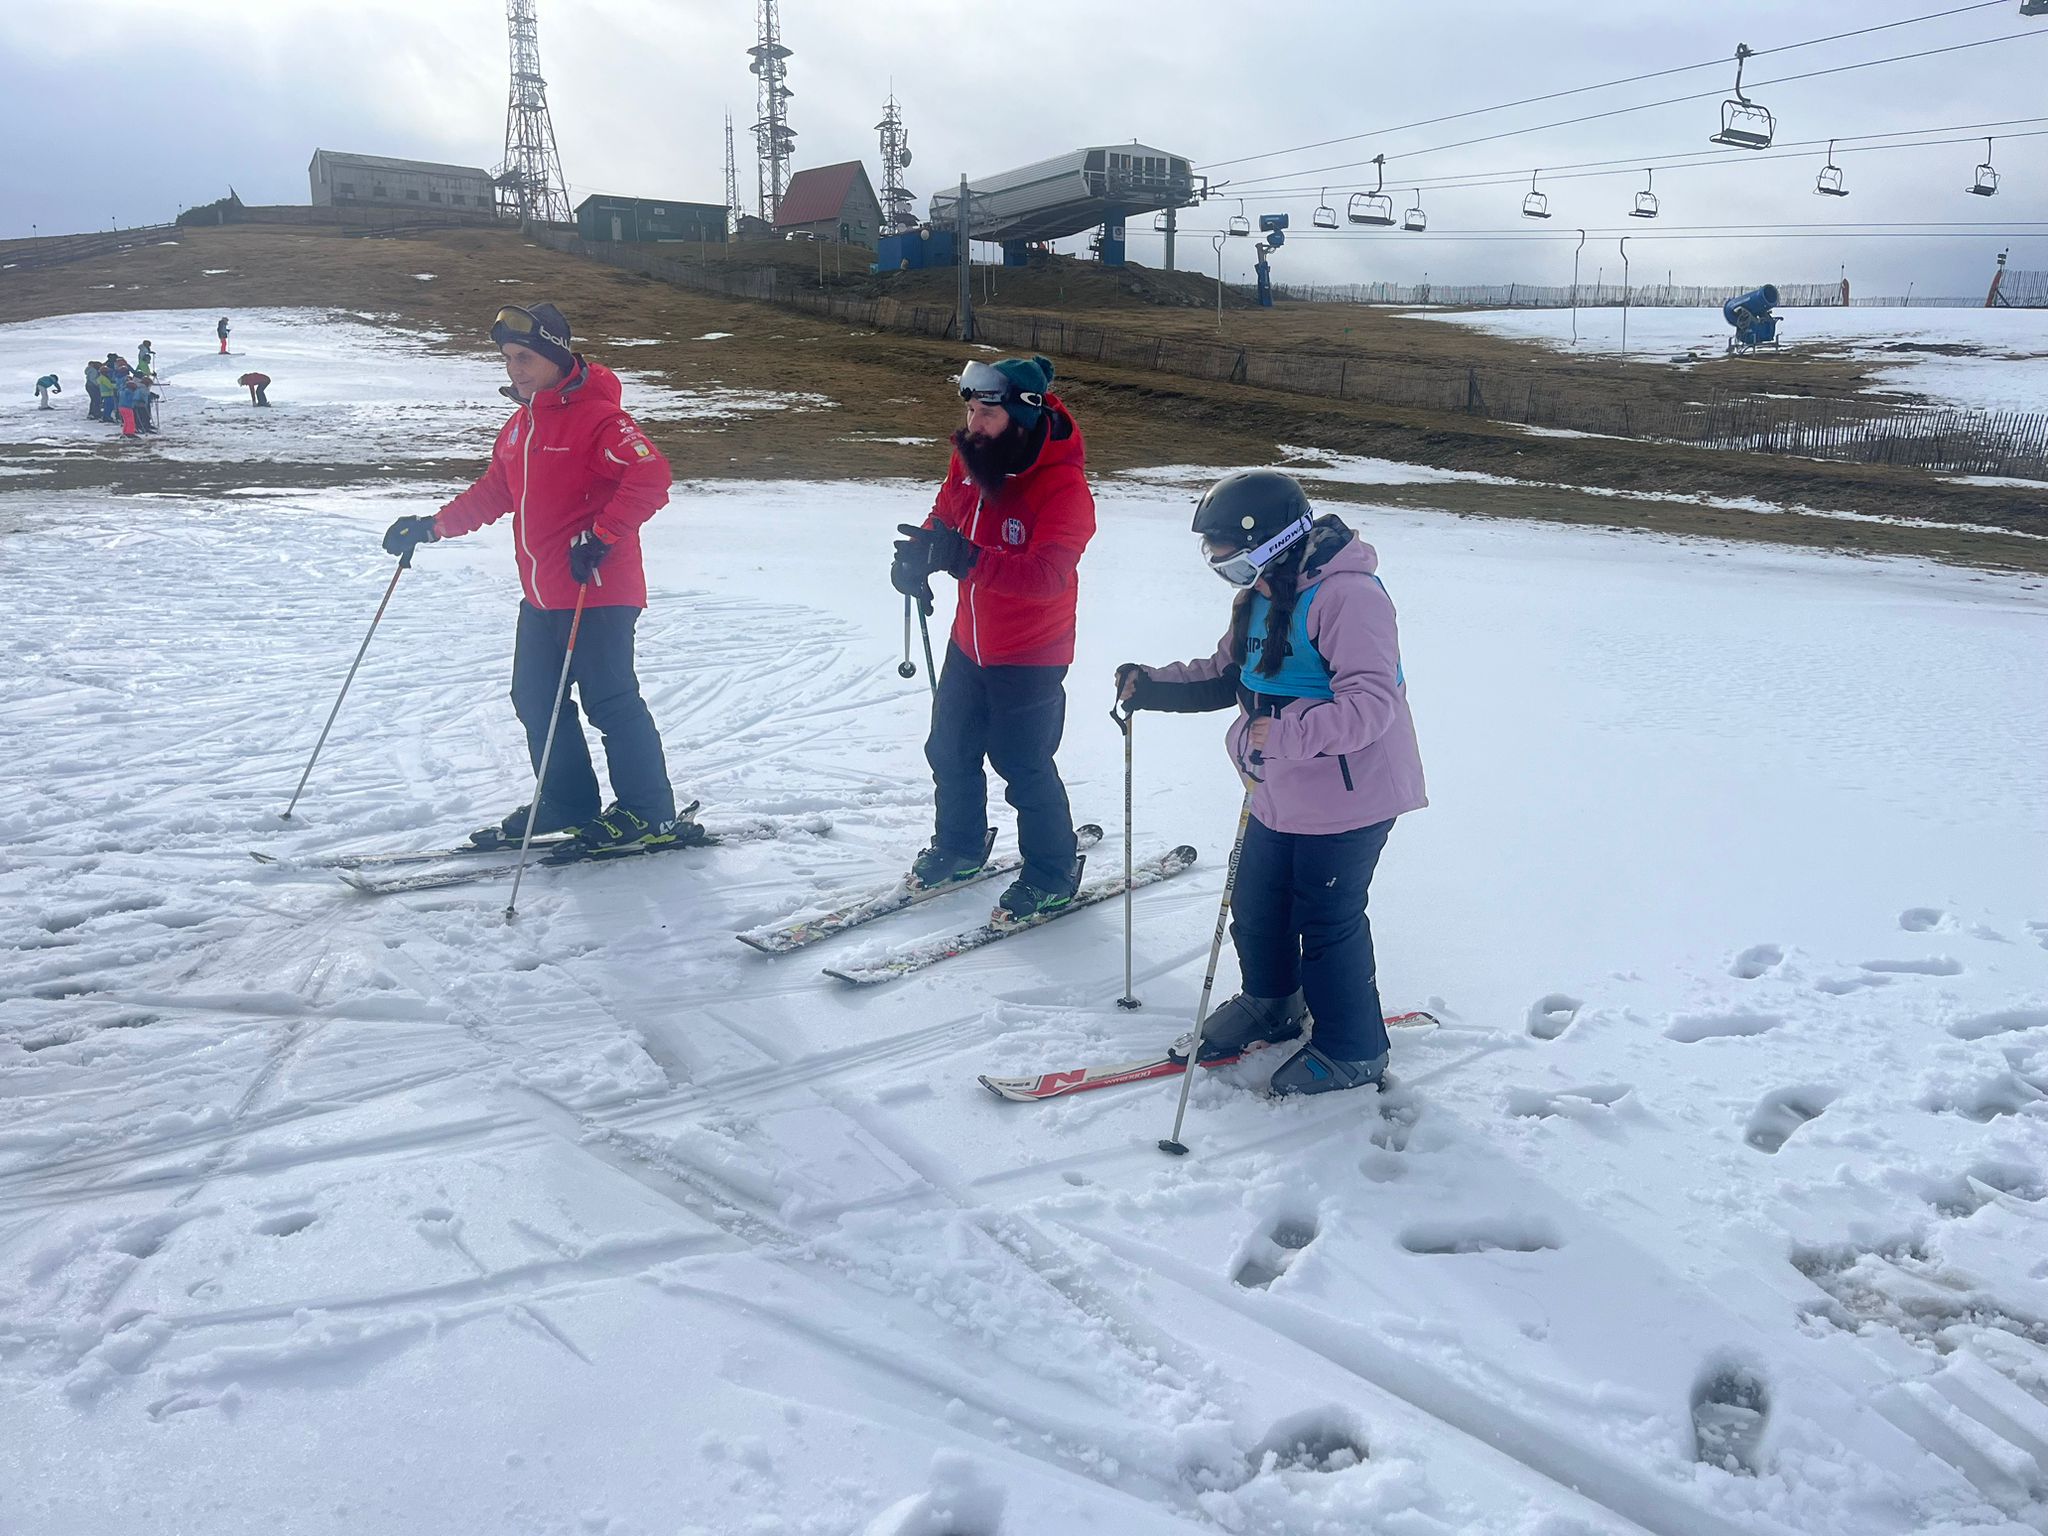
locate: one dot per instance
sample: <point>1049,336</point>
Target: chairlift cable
<point>1605,85</point>
<point>1669,101</point>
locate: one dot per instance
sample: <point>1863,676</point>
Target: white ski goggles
<point>991,386</point>
<point>1241,567</point>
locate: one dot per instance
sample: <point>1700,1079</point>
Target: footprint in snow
<point>1584,1103</point>
<point>1925,965</point>
<point>287,1223</point>
<point>2040,933</point>
<point>1842,986</point>
<point>1757,960</point>
<point>1690,1028</point>
<point>2006,1094</point>
<point>1271,1255</point>
<point>2011,1021</point>
<point>1773,1121</point>
<point>1483,1234</point>
<point>1552,1015</point>
<point>1922,919</point>
<point>1965,1194</point>
<point>1320,1440</point>
<point>1731,1406</point>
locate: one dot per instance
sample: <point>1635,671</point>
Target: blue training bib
<point>1303,673</point>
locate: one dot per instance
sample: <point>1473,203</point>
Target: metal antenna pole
<point>547,749</point>
<point>404,560</point>
<point>1173,1143</point>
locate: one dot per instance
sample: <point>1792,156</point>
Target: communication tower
<point>774,139</point>
<point>530,182</point>
<point>897,213</point>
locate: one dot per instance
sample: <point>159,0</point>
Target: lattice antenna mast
<point>774,139</point>
<point>733,211</point>
<point>530,182</point>
<point>898,212</point>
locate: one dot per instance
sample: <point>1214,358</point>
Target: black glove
<point>407,534</point>
<point>907,575</point>
<point>942,548</point>
<point>586,554</point>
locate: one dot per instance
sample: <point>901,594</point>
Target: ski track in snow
<point>1716,1205</point>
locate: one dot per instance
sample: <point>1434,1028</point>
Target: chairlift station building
<point>1101,185</point>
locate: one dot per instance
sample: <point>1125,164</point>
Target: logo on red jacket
<point>1013,530</point>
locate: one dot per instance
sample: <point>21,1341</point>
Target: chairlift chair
<point>1986,184</point>
<point>1373,207</point>
<point>1159,223</point>
<point>1415,221</point>
<point>1326,216</point>
<point>2034,7</point>
<point>1537,204</point>
<point>1239,224</point>
<point>1745,124</point>
<point>1646,200</point>
<point>1829,182</point>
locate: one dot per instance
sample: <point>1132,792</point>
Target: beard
<point>990,461</point>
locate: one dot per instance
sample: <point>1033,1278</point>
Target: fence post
<point>1475,402</point>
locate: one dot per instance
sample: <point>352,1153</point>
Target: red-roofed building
<point>832,202</point>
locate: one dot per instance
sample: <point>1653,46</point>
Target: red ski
<point>1053,1085</point>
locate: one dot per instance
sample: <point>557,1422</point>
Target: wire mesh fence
<point>2004,443</point>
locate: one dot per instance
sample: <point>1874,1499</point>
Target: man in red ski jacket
<point>1010,522</point>
<point>579,478</point>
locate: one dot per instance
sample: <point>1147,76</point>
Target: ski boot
<point>1026,899</point>
<point>507,833</point>
<point>1308,1070</point>
<point>937,866</point>
<point>619,830</point>
<point>1243,1022</point>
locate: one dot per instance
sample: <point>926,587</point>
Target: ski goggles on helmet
<point>1241,567</point>
<point>991,386</point>
<point>515,324</point>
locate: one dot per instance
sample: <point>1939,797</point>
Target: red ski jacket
<point>1017,604</point>
<point>569,460</point>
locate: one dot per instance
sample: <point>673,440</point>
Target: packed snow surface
<point>1716,1206</point>
<point>1985,359</point>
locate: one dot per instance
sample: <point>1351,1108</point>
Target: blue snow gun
<point>1750,315</point>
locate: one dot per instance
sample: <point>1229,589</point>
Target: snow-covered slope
<point>1716,1206</point>
<point>1985,359</point>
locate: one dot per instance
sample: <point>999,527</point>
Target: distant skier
<point>145,360</point>
<point>1010,522</point>
<point>47,386</point>
<point>256,384</point>
<point>1312,661</point>
<point>579,478</point>
<point>125,400</point>
<point>221,331</point>
<point>92,391</point>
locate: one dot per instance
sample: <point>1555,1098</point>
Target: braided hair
<point>1283,580</point>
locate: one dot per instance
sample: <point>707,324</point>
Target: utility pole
<point>1172,222</point>
<point>965,302</point>
<point>1218,241</point>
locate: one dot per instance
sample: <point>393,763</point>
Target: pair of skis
<point>1170,1063</point>
<point>364,871</point>
<point>903,959</point>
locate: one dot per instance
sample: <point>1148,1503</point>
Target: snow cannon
<point>1750,315</point>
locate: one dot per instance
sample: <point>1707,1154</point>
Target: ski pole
<point>907,668</point>
<point>547,748</point>
<point>404,560</point>
<point>1173,1143</point>
<point>931,672</point>
<point>1129,1001</point>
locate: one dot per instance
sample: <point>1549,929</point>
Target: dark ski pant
<point>1298,920</point>
<point>92,408</point>
<point>259,394</point>
<point>602,679</point>
<point>1011,718</point>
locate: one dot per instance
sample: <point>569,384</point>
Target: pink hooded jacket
<point>1330,765</point>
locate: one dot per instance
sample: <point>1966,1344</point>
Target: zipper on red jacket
<point>525,479</point>
<point>973,612</point>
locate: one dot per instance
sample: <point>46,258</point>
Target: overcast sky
<point>240,92</point>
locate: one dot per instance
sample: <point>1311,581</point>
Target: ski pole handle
<point>404,561</point>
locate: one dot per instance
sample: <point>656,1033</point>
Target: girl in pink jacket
<point>1324,740</point>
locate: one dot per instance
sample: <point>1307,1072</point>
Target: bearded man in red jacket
<point>1010,523</point>
<point>579,479</point>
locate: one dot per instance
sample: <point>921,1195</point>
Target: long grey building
<point>344,180</point>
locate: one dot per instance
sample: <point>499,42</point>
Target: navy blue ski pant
<point>601,678</point>
<point>1010,718</point>
<point>1298,920</point>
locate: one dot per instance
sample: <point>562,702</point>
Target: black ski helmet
<point>1248,506</point>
